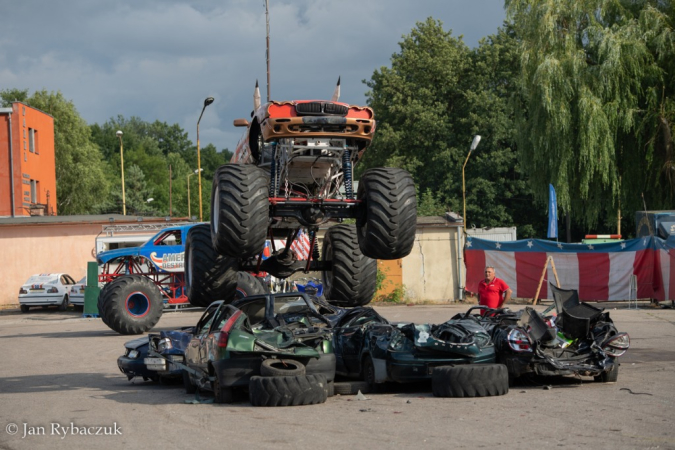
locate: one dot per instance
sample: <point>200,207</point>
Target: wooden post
<point>541,279</point>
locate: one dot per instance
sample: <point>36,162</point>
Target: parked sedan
<point>77,292</point>
<point>46,289</point>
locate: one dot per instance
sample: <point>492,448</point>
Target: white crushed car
<point>46,289</point>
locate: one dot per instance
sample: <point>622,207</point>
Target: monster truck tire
<point>288,391</point>
<point>240,210</point>
<point>281,368</point>
<point>352,279</point>
<point>386,230</point>
<point>208,275</point>
<point>248,285</point>
<point>611,376</point>
<point>471,380</point>
<point>130,304</point>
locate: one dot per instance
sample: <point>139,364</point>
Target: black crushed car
<point>579,340</point>
<point>457,355</point>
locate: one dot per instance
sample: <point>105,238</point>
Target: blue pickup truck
<point>140,281</point>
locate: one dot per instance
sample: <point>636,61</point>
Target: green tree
<point>596,120</point>
<point>429,104</point>
<point>8,96</point>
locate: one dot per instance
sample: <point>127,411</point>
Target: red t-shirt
<point>492,295</point>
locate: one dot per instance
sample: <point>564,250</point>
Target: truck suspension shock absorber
<point>347,169</point>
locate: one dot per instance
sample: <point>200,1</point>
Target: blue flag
<point>552,213</point>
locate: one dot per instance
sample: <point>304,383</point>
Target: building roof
<point>102,219</point>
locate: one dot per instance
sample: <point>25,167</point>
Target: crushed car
<point>579,339</point>
<point>244,345</point>
<point>458,356</point>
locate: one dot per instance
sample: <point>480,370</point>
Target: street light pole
<point>474,144</point>
<point>188,186</point>
<point>124,199</point>
<point>207,102</point>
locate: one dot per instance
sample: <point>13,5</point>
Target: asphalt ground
<point>60,385</point>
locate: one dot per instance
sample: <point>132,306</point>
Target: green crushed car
<point>276,345</point>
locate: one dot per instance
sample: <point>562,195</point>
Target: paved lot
<point>59,374</point>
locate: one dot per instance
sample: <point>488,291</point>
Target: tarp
<point>598,272</point>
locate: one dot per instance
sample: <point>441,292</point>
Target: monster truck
<point>292,172</point>
<point>139,281</point>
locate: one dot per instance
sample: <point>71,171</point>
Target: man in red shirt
<point>492,291</point>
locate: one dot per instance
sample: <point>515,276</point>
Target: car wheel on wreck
<point>130,304</point>
<point>187,383</point>
<point>208,275</point>
<point>221,394</point>
<point>240,209</point>
<point>368,369</point>
<point>281,368</point>
<point>288,391</point>
<point>350,387</point>
<point>352,279</point>
<point>611,376</point>
<point>471,380</point>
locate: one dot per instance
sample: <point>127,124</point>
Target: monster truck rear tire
<point>208,275</point>
<point>240,210</point>
<point>470,380</point>
<point>386,230</point>
<point>353,277</point>
<point>288,391</point>
<point>248,285</point>
<point>130,304</point>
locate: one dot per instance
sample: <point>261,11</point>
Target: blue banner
<point>552,213</point>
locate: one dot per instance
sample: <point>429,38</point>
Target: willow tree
<point>596,118</point>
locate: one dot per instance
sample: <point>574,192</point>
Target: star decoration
<point>623,245</point>
<point>468,243</point>
<point>530,244</point>
<point>498,245</point>
<point>590,247</point>
<point>559,245</point>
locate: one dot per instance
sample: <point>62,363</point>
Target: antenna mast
<point>267,53</point>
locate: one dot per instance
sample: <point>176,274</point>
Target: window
<point>31,140</point>
<point>33,191</point>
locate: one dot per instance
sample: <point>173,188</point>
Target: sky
<point>159,59</point>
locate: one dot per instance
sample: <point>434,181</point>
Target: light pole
<point>188,186</point>
<point>124,199</point>
<point>207,102</point>
<point>474,144</point>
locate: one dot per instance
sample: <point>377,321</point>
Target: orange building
<point>27,162</point>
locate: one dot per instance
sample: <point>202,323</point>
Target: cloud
<point>159,59</point>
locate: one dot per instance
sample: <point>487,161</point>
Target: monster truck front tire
<point>352,279</point>
<point>130,304</point>
<point>208,275</point>
<point>386,229</point>
<point>240,210</point>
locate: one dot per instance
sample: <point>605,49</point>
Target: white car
<point>46,289</point>
<point>77,292</point>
